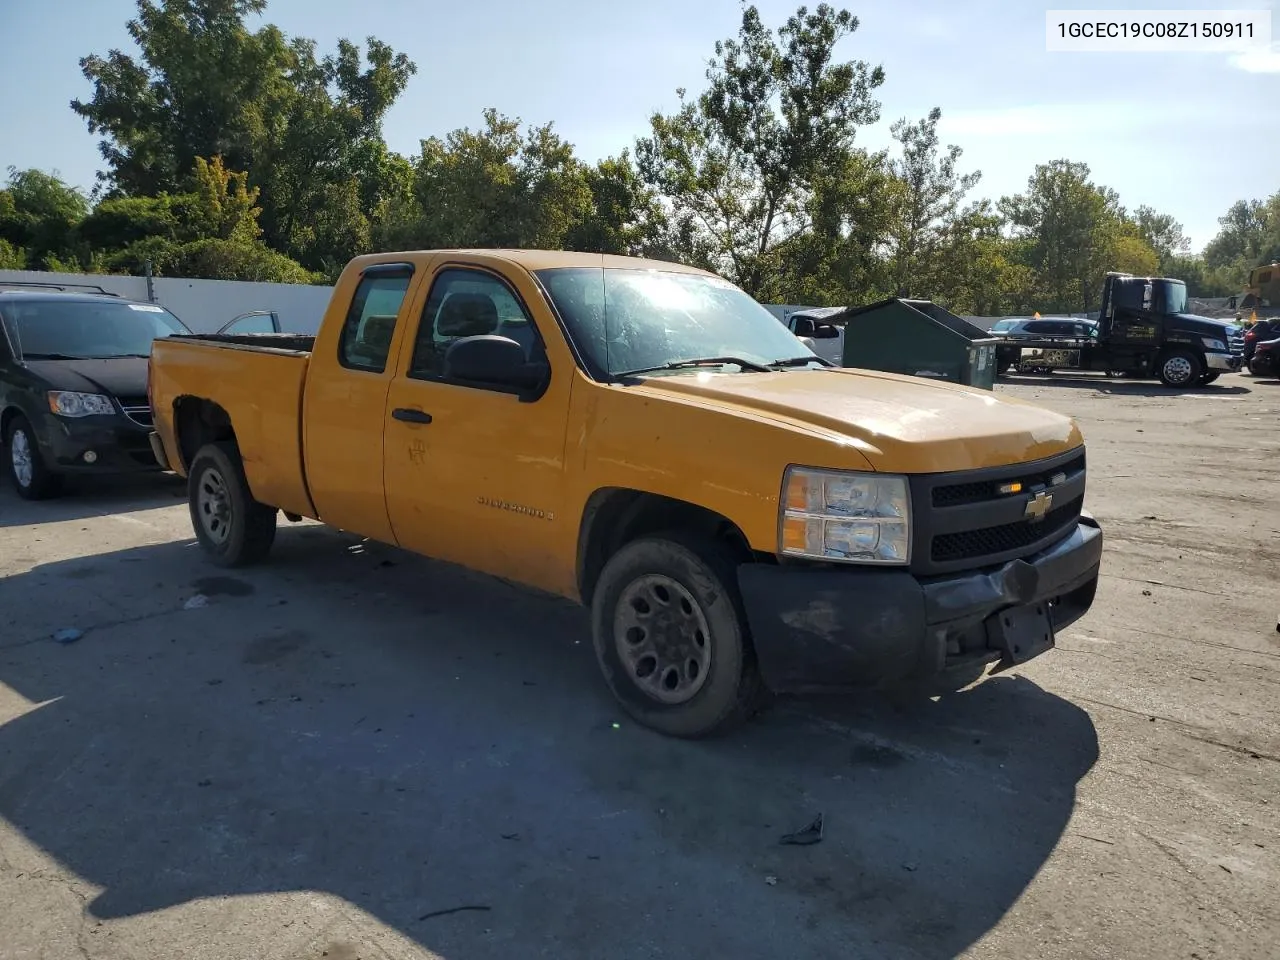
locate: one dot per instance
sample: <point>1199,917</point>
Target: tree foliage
<point>740,162</point>
<point>240,152</point>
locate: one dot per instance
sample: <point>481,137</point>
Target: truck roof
<point>540,259</point>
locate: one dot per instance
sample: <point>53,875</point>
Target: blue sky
<point>1186,133</point>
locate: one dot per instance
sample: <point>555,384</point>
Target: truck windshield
<point>625,319</point>
<point>87,329</point>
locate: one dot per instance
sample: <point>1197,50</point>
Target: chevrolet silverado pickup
<point>739,516</point>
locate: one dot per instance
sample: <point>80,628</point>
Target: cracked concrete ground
<point>351,752</point>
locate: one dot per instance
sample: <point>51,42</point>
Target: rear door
<point>346,394</point>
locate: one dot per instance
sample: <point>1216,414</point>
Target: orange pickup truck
<point>644,438</point>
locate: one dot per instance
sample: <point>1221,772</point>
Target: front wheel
<point>234,529</point>
<point>31,478</point>
<point>1180,368</point>
<point>670,636</point>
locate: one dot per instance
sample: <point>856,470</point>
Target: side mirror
<point>493,360</point>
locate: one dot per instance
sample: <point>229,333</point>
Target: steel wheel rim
<point>662,638</point>
<point>20,455</point>
<point>1178,369</point>
<point>213,505</point>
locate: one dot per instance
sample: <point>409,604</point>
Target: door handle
<point>411,416</point>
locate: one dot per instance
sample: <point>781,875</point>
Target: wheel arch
<point>198,421</point>
<point>615,516</point>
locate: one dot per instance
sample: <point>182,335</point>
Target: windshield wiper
<point>51,356</point>
<point>699,362</point>
<point>801,361</point>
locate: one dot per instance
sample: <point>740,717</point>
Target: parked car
<point>1262,331</point>
<point>646,439</point>
<point>1265,361</point>
<point>73,385</point>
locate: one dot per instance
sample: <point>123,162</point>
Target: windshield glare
<point>624,319</point>
<point>89,329</point>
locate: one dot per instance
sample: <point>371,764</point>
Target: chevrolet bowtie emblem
<point>1038,506</point>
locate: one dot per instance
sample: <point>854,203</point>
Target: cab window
<point>468,303</point>
<point>371,319</point>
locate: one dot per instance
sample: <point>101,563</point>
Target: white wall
<point>204,305</point>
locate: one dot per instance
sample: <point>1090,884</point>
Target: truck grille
<point>962,521</point>
<point>1235,343</point>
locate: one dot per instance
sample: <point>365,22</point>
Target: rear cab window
<point>370,324</point>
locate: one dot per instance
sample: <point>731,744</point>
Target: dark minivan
<point>73,385</point>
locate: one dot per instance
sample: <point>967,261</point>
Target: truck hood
<point>1210,325</point>
<point>900,424</point>
<point>117,377</point>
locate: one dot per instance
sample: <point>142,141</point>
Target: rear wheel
<point>31,477</point>
<point>1180,368</point>
<point>233,528</point>
<point>671,638</point>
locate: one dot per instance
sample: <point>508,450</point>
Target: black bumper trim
<point>820,628</point>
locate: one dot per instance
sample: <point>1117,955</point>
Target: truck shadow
<point>86,497</point>
<point>1122,387</point>
<point>412,738</point>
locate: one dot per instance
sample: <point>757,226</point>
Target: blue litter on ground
<point>68,635</point>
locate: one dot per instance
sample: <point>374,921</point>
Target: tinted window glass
<point>468,303</point>
<point>371,321</point>
<point>256,324</point>
<point>87,328</point>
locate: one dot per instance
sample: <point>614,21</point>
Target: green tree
<point>1249,236</point>
<point>624,215</point>
<point>11,257</point>
<point>737,166</point>
<point>204,85</point>
<point>929,203</point>
<point>1076,231</point>
<point>492,187</point>
<point>39,213</point>
<point>1163,234</point>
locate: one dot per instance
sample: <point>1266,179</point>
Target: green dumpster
<point>918,338</point>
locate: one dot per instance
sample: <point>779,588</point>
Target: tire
<point>1257,368</point>
<point>1180,368</point>
<point>31,477</point>
<point>233,528</point>
<point>698,579</point>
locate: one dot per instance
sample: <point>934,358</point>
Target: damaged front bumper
<point>817,628</point>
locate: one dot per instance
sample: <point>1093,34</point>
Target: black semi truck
<point>1143,331</point>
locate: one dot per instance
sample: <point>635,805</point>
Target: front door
<point>475,476</point>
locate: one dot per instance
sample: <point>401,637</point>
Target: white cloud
<point>1258,61</point>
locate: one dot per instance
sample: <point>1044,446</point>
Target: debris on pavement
<point>68,635</point>
<point>803,838</point>
<point>771,881</point>
<point>196,602</point>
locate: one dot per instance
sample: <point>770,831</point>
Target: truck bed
<point>258,379</point>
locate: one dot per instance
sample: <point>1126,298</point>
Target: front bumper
<point>118,445</point>
<point>821,628</point>
<point>1223,361</point>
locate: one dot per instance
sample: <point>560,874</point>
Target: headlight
<point>845,516</point>
<point>66,404</point>
<point>1212,344</point>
